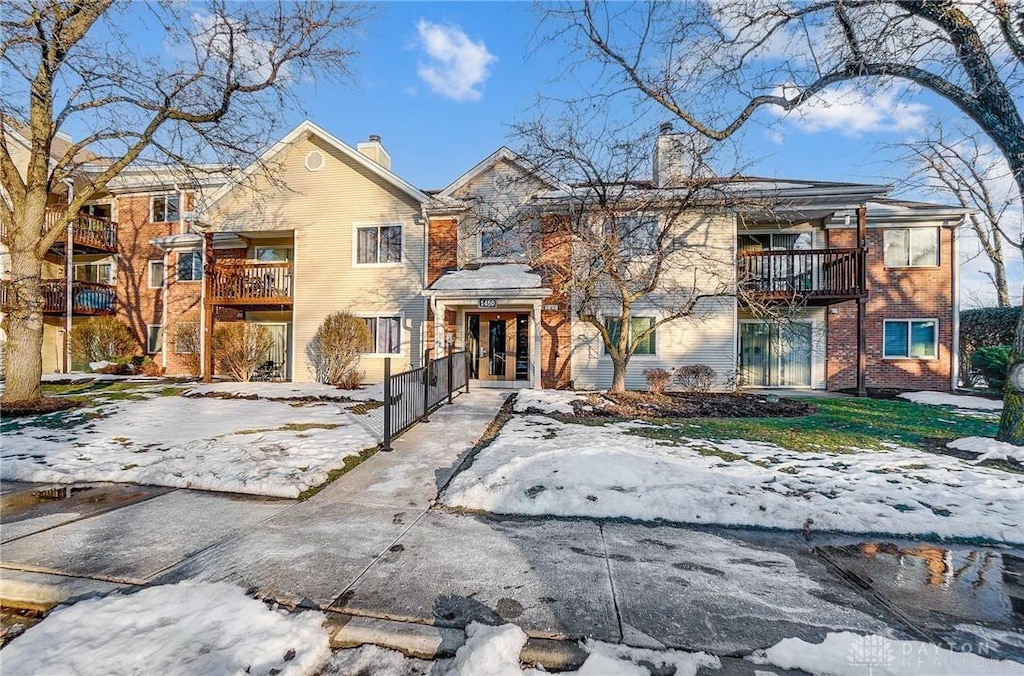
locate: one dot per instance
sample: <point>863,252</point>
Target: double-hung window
<point>97,273</point>
<point>165,208</point>
<point>378,244</point>
<point>190,266</point>
<point>644,346</point>
<point>156,274</point>
<point>154,337</point>
<point>911,338</point>
<point>385,334</point>
<point>911,247</point>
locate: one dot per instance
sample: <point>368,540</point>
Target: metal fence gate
<point>410,396</point>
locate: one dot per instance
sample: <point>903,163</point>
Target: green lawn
<point>841,424</point>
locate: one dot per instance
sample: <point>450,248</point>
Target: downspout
<point>426,273</point>
<point>955,291</point>
<point>163,312</point>
<point>69,296</point>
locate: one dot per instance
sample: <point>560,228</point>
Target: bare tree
<point>213,86</point>
<point>967,168</point>
<point>694,59</point>
<point>626,253</point>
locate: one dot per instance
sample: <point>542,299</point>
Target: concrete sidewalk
<point>374,545</point>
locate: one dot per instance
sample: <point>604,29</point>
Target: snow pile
<point>538,465</point>
<point>494,651</point>
<point>844,653</point>
<point>369,659</point>
<point>185,628</point>
<point>285,391</point>
<point>237,445</point>
<point>489,650</point>
<point>548,401</point>
<point>964,404</point>
<point>988,449</point>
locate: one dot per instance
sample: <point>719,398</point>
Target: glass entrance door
<point>500,346</point>
<point>775,356</point>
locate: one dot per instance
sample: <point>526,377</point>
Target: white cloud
<point>456,66</point>
<point>853,112</point>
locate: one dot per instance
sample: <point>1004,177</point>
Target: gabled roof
<point>502,154</point>
<point>307,127</point>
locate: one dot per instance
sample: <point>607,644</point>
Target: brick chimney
<point>375,151</point>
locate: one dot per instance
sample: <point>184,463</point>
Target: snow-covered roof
<point>487,277</point>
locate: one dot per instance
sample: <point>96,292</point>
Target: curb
<point>40,592</point>
<point>429,642</point>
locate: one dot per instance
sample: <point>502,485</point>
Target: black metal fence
<point>410,396</point>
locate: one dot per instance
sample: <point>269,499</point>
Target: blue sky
<point>441,83</point>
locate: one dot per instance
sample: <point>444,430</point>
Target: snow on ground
<point>538,465</point>
<point>369,659</point>
<point>848,654</point>
<point>964,404</point>
<point>239,445</point>
<point>285,391</point>
<point>548,401</point>
<point>186,628</point>
<point>988,449</point>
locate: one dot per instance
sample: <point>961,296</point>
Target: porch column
<point>439,311</point>
<point>862,347</point>
<point>206,325</point>
<point>535,339</point>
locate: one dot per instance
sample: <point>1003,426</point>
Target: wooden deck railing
<point>88,298</point>
<point>810,273</point>
<point>245,282</point>
<point>91,232</point>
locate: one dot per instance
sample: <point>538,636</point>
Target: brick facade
<point>893,293</point>
<point>442,247</point>
<point>556,325</point>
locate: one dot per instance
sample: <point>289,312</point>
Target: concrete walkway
<point>374,544</point>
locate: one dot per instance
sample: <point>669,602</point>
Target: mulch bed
<point>678,405</point>
<point>37,407</point>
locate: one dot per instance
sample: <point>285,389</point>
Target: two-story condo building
<point>868,284</point>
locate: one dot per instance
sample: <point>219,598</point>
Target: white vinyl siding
<point>322,210</point>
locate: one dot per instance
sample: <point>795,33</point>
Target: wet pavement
<point>373,544</point>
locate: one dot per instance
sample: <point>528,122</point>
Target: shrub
<point>101,339</point>
<point>334,351</point>
<point>695,378</point>
<point>188,343</point>
<point>657,380</point>
<point>984,327</point>
<point>993,363</point>
<point>240,348</point>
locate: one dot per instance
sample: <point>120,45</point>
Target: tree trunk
<point>1011,425</point>
<point>618,374</point>
<point>999,275</point>
<point>24,320</point>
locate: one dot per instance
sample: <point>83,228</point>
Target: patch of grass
<point>365,407</point>
<point>302,427</point>
<point>841,425</point>
<point>718,453</point>
<point>350,463</point>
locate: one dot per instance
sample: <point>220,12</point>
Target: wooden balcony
<point>88,298</point>
<point>251,283</point>
<point>90,234</point>
<point>811,276</point>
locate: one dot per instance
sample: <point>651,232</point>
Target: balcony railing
<point>812,274</point>
<point>237,282</point>
<point>88,298</point>
<point>91,233</point>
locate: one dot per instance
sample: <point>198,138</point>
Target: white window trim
<point>401,334</point>
<point>633,315</point>
<point>152,199</point>
<point>112,281</point>
<point>149,334</point>
<point>149,273</point>
<point>355,244</point>
<point>908,356</point>
<point>202,263</point>
<point>480,258</point>
<point>256,248</point>
<point>910,254</point>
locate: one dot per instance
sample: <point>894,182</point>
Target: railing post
<point>386,444</point>
<point>451,375</point>
<point>426,386</point>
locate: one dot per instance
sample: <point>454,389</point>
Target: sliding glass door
<point>773,355</point>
